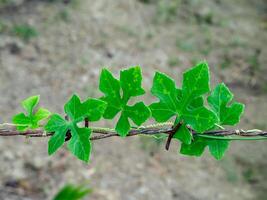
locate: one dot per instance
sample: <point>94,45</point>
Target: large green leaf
<point>219,100</point>
<point>117,93</point>
<point>77,111</point>
<point>187,103</point>
<point>31,119</point>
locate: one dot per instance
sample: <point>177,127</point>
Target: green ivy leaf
<point>129,86</point>
<point>186,104</point>
<point>71,192</point>
<point>217,148</point>
<point>76,111</point>
<point>219,100</point>
<point>30,120</point>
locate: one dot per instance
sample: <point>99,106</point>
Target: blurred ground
<point>54,48</point>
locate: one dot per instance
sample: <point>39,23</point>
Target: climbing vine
<point>193,114</point>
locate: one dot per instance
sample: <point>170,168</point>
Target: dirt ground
<point>76,38</point>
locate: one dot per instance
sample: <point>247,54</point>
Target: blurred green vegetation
<point>167,10</point>
<point>173,61</point>
<point>25,31</point>
<point>72,192</point>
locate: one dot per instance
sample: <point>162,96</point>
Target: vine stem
<point>156,129</point>
<point>172,133</point>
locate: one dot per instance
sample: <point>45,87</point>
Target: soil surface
<point>75,39</point>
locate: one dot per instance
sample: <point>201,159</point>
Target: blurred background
<point>57,47</point>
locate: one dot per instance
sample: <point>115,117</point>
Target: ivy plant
<point>32,119</point>
<point>227,113</point>
<point>186,104</point>
<point>196,112</point>
<point>118,93</point>
<point>76,111</point>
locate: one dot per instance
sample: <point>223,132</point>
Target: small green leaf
<point>118,93</point>
<point>183,134</point>
<point>218,148</point>
<point>219,100</point>
<point>71,192</point>
<point>77,111</point>
<point>30,120</point>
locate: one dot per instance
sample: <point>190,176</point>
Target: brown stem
<point>86,122</point>
<point>145,131</point>
<point>172,133</point>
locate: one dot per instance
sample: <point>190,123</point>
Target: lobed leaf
<point>117,93</point>
<point>186,104</point>
<point>30,120</point>
<point>77,111</point>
